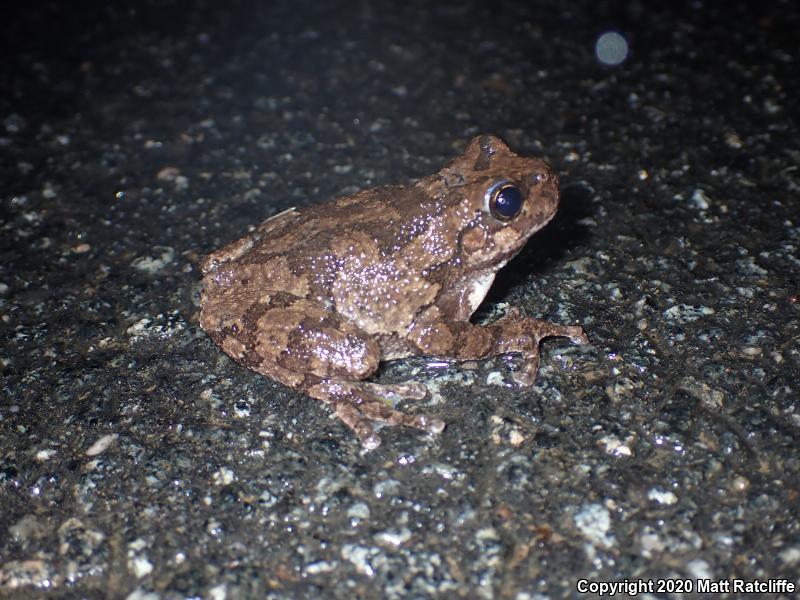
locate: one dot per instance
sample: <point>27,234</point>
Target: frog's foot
<point>538,330</point>
<point>363,406</point>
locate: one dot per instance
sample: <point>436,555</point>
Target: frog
<point>316,298</point>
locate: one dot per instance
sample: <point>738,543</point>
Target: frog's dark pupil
<point>507,202</point>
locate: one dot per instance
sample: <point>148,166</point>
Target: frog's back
<point>371,241</point>
<point>390,217</point>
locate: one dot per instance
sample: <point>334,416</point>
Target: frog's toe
<point>371,441</point>
<point>526,374</point>
<point>524,377</point>
<point>412,390</point>
<point>351,416</point>
<point>429,424</point>
<point>576,335</point>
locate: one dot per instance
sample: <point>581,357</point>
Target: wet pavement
<point>138,461</point>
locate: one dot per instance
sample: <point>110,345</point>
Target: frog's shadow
<point>547,248</point>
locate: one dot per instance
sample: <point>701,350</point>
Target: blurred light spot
<point>611,48</point>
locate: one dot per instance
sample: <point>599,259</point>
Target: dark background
<point>136,458</point>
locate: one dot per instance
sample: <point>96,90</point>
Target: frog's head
<point>502,200</point>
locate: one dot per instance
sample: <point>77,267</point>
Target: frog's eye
<point>504,200</point>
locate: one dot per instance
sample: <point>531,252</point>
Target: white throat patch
<point>478,290</point>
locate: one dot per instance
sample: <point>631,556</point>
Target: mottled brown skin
<point>317,298</point>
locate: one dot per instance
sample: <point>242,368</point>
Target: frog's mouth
<point>510,239</point>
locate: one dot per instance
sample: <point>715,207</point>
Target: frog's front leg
<point>511,333</point>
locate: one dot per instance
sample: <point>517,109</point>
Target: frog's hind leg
<point>363,406</point>
<point>304,345</point>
